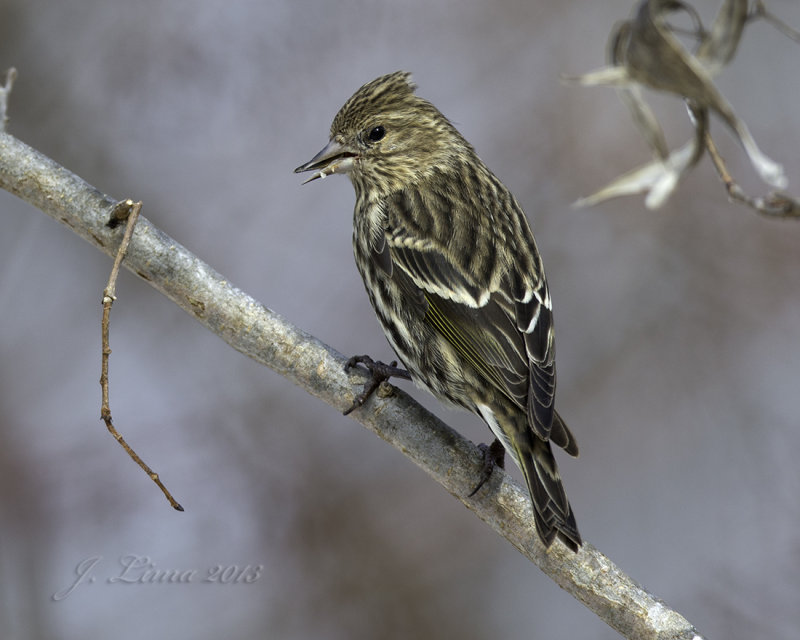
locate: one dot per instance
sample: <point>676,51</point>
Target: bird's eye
<point>376,133</point>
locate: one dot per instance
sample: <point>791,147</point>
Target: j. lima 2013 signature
<point>137,569</point>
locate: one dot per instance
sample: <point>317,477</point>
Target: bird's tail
<point>551,509</point>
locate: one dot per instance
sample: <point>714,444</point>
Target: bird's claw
<point>380,371</point>
<point>494,455</point>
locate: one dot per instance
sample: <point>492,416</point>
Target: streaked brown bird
<point>453,273</point>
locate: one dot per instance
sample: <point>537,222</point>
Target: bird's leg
<point>494,455</point>
<point>380,371</point>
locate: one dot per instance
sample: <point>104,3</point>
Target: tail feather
<point>551,509</point>
<point>561,435</point>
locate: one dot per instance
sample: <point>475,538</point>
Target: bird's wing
<point>501,324</point>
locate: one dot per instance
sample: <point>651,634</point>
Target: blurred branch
<point>256,331</point>
<point>760,11</point>
<point>644,52</point>
<point>774,205</point>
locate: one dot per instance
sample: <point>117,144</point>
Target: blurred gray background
<point>678,331</point>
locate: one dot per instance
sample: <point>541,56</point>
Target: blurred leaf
<point>645,52</point>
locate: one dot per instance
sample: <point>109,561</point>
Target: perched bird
<point>453,273</point>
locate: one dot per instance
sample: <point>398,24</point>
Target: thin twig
<point>129,209</point>
<point>774,205</point>
<point>5,91</point>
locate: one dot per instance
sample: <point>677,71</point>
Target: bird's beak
<point>334,158</point>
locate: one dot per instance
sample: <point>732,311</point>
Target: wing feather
<point>501,323</point>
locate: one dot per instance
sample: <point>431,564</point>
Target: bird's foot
<point>494,455</point>
<point>380,371</point>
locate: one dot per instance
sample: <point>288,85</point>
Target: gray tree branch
<point>260,333</point>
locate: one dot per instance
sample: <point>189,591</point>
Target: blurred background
<point>678,331</point>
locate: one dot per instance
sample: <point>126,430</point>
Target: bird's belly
<point>432,362</point>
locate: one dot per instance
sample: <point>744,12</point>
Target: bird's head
<point>386,138</point>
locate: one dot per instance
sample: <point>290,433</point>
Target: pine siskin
<point>453,273</point>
